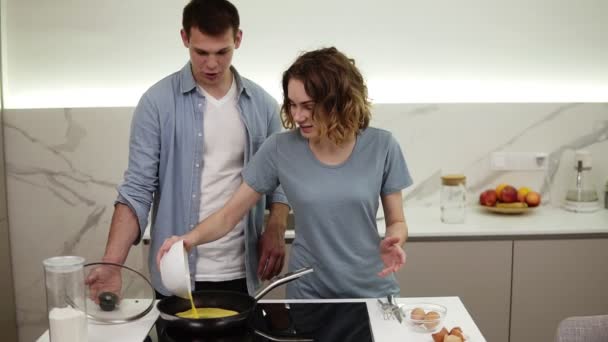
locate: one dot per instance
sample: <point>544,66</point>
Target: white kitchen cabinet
<point>555,279</point>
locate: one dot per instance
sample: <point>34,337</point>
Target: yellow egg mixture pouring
<point>205,312</point>
<point>192,313</point>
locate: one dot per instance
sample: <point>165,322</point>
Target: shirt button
<point>196,165</point>
<point>193,195</point>
<point>200,134</point>
<point>191,226</point>
<point>200,104</point>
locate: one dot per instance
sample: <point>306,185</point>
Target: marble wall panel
<point>62,170</point>
<point>63,166</point>
<point>8,323</point>
<point>459,138</point>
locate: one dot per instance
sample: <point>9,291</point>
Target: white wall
<point>67,53</point>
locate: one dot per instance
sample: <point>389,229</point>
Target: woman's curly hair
<point>338,90</point>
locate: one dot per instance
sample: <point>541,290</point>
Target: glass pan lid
<point>117,293</point>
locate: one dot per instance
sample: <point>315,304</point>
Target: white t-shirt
<point>223,160</point>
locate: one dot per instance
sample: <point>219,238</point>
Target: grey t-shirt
<point>335,210</point>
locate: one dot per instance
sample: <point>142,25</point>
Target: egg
<point>417,314</point>
<point>432,319</point>
<point>438,337</point>
<point>457,332</point>
<point>452,338</point>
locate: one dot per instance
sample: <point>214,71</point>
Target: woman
<point>333,168</point>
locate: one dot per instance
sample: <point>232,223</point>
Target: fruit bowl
<point>506,199</point>
<point>507,210</point>
<point>424,317</point>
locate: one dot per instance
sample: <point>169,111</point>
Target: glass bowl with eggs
<point>424,317</point>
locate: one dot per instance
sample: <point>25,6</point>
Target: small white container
<point>453,198</point>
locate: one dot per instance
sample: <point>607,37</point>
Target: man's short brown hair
<point>212,17</point>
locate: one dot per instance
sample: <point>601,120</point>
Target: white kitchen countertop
<point>425,223</point>
<point>390,330</point>
<point>384,330</point>
<point>125,332</point>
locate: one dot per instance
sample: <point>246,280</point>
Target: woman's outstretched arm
<point>219,223</point>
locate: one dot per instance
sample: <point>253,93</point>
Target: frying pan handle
<point>285,278</point>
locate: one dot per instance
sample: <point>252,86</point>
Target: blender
<point>582,196</point>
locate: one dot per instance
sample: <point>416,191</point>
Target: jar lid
<point>453,179</point>
<point>64,263</point>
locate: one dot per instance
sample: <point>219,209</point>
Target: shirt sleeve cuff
<point>142,220</point>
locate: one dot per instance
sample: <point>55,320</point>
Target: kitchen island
<point>518,275</point>
<point>384,328</point>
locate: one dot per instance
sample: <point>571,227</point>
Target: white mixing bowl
<point>174,270</point>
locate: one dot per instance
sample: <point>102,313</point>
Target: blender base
<point>581,207</point>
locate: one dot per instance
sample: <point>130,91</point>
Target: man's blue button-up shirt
<point>166,162</point>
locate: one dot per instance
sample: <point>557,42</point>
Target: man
<point>191,134</point>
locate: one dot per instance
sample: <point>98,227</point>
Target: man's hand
<point>271,245</point>
<point>104,278</point>
<point>392,255</point>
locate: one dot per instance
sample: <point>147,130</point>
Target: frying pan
<point>229,300</point>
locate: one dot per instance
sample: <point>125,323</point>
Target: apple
<point>508,194</point>
<point>488,198</point>
<point>533,199</point>
<point>500,187</point>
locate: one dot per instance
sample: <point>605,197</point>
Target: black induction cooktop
<point>319,322</point>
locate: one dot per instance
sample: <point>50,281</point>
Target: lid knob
<point>107,301</point>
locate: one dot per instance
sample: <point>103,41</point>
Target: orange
<point>522,192</point>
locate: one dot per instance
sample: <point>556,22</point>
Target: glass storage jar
<point>453,198</point>
<point>66,298</point>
